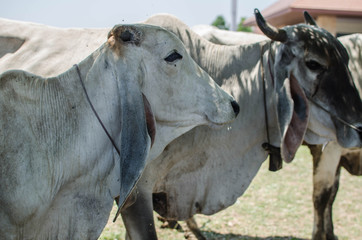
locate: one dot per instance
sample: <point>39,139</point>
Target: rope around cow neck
<point>94,111</point>
<point>275,159</point>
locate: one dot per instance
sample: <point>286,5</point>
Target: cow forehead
<point>160,37</point>
<point>318,41</point>
<point>156,40</point>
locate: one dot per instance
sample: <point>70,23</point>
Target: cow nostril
<point>236,107</point>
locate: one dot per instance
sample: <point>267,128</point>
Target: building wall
<point>328,22</point>
<point>339,26</point>
<point>348,25</point>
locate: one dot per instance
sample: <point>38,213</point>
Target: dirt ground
<point>275,206</point>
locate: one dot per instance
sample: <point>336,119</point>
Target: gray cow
<point>59,171</point>
<point>304,88</point>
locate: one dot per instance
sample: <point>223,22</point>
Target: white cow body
<point>224,37</point>
<point>45,50</point>
<point>59,171</point>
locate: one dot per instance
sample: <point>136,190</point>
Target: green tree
<point>219,22</point>
<point>243,28</point>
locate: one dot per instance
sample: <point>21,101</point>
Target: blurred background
<point>338,17</point>
<point>106,13</point>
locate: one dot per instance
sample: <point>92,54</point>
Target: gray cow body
<point>210,169</point>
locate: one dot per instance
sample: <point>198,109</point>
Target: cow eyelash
<point>173,57</point>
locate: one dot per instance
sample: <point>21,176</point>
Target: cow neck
<point>229,61</point>
<point>233,63</point>
<point>219,61</point>
<point>94,111</point>
<point>81,90</point>
<point>236,66</point>
<point>275,159</point>
<point>251,56</point>
<point>56,97</point>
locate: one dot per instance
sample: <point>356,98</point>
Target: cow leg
<point>328,218</point>
<point>171,224</point>
<point>192,225</point>
<point>351,160</point>
<point>325,166</point>
<point>318,229</point>
<point>138,218</point>
<point>192,231</point>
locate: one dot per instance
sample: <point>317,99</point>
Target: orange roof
<point>284,12</point>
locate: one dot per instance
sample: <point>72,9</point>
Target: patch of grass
<point>276,206</point>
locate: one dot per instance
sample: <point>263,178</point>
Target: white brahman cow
<point>306,81</point>
<point>59,169</point>
<point>326,163</point>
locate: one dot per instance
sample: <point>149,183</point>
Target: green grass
<point>276,206</point>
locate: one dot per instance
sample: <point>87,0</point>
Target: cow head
<point>153,63</point>
<point>180,93</point>
<point>313,85</point>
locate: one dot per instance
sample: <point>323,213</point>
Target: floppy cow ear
<point>137,135</point>
<point>292,113</point>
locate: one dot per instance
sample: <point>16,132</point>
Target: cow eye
<point>314,65</point>
<point>173,57</point>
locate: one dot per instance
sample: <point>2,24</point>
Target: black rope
<point>94,111</point>
<point>262,70</point>
<point>275,159</point>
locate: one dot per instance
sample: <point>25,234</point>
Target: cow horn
<point>270,31</point>
<point>309,19</point>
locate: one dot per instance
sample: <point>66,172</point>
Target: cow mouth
<point>206,120</point>
<point>216,125</point>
